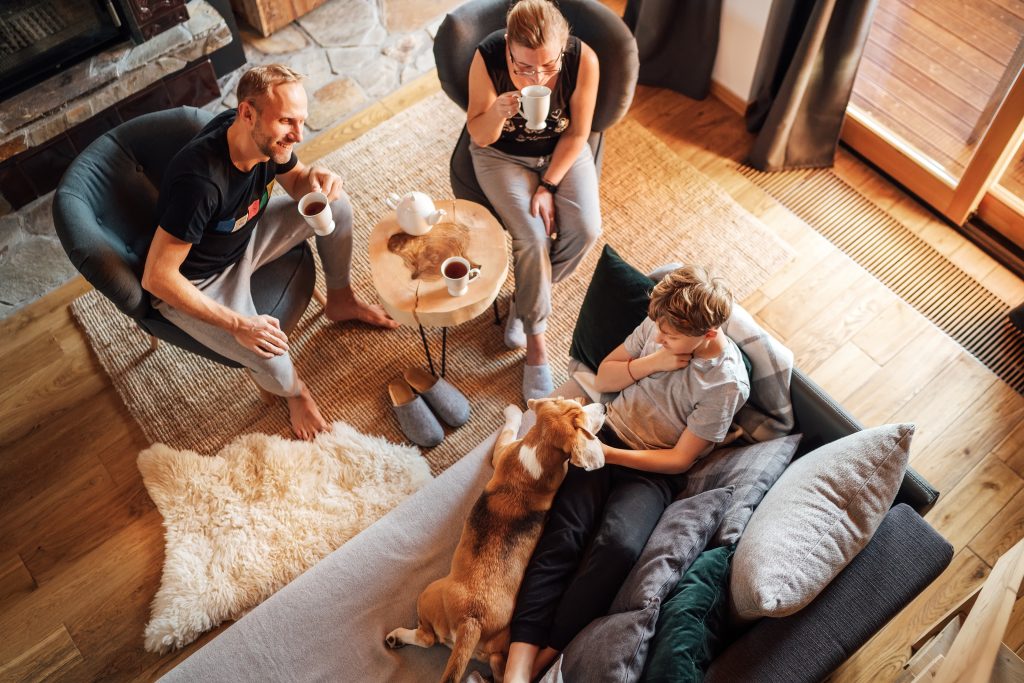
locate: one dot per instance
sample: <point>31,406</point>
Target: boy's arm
<point>673,460</point>
<point>618,370</point>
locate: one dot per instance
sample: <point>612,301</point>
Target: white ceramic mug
<point>534,103</point>
<point>316,209</point>
<point>457,274</point>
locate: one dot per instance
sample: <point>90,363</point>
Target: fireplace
<point>40,38</point>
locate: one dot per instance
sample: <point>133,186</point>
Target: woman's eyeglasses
<point>520,69</point>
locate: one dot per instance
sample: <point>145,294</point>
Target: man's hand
<point>543,204</point>
<point>664,360</point>
<point>262,334</point>
<point>328,182</point>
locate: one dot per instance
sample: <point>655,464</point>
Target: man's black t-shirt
<point>205,200</point>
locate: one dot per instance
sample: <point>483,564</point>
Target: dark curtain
<point>803,81</point>
<point>677,41</point>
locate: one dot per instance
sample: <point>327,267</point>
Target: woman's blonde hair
<point>535,23</point>
<point>257,81</point>
<point>690,301</point>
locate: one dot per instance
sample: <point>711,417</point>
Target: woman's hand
<point>664,360</point>
<point>543,205</point>
<point>506,105</point>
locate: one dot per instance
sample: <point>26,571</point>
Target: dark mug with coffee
<point>457,274</point>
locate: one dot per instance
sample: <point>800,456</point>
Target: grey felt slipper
<point>414,417</point>
<point>447,402</point>
<point>537,381</point>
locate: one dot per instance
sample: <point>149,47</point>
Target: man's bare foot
<point>342,305</point>
<point>305,416</point>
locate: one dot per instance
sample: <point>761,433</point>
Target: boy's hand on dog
<point>664,360</point>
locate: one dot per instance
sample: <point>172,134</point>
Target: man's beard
<point>268,147</point>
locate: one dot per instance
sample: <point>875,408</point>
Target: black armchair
<point>596,25</point>
<point>105,213</point>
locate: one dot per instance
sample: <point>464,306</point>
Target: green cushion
<point>692,621</point>
<point>616,302</point>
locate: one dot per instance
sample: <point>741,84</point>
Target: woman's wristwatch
<point>550,187</point>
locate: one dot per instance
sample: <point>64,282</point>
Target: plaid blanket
<point>768,412</point>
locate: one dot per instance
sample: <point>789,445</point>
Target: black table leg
<point>426,351</point>
<point>444,347</point>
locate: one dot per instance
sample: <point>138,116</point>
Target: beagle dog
<point>470,609</point>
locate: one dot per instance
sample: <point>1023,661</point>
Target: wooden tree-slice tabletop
<point>407,269</point>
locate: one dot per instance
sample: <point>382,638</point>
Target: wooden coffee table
<point>407,269</point>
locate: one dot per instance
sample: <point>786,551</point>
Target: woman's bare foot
<point>343,305</point>
<point>305,416</point>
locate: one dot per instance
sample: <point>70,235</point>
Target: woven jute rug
<point>656,208</point>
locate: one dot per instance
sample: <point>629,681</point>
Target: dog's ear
<point>586,450</point>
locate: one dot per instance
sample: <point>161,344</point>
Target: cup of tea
<point>458,273</point>
<point>316,209</point>
<point>534,102</point>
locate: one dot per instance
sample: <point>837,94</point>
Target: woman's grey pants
<point>280,228</point>
<point>509,183</point>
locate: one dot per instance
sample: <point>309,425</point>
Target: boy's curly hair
<point>691,301</point>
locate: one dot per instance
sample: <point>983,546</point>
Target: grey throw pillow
<point>614,647</point>
<point>751,470</point>
<point>821,512</point>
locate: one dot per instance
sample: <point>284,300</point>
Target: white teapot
<point>416,213</point>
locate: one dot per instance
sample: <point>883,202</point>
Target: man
<point>214,196</point>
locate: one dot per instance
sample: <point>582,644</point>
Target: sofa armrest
<point>329,623</point>
<point>903,557</point>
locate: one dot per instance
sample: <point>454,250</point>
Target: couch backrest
<point>599,27</point>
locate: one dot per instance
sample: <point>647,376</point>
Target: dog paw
<point>392,641</point>
<point>513,413</point>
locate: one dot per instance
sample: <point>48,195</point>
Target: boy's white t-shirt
<point>704,396</point>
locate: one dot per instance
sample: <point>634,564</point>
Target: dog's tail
<point>467,635</point>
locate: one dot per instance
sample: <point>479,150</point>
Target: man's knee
<point>341,210</point>
<point>277,374</point>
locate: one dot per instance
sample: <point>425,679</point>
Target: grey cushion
<point>614,647</point>
<point>903,557</point>
<point>751,469</point>
<point>817,517</point>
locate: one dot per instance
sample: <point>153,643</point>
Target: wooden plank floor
<point>81,544</point>
<point>930,69</point>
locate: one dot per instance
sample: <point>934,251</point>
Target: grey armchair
<point>104,210</point>
<point>599,27</point>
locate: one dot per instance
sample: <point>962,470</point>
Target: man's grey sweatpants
<point>280,228</point>
<point>509,183</point>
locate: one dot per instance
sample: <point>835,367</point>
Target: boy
<point>680,383</point>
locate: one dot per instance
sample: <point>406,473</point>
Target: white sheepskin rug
<point>243,523</point>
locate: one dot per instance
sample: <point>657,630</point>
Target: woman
<point>543,183</point>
